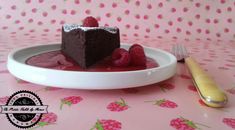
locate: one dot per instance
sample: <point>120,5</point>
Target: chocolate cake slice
<point>88,45</point>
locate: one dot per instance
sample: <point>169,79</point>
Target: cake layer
<point>86,47</point>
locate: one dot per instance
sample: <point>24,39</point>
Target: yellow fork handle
<point>206,86</point>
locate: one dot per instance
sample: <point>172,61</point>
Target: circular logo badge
<point>24,109</point>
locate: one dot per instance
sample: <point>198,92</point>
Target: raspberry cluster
<point>135,56</point>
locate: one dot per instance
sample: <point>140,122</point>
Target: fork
<point>207,88</point>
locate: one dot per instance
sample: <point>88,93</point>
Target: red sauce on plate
<point>57,60</point>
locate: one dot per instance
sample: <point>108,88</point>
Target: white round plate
<point>89,80</point>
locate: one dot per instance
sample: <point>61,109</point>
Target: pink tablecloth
<point>160,106</point>
<point>206,28</point>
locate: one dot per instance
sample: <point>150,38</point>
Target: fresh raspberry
<point>137,55</point>
<point>120,57</point>
<point>134,45</point>
<point>90,22</point>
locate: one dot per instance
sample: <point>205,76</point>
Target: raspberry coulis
<point>57,60</point>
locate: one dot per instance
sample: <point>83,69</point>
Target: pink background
<point>171,20</point>
<point>207,28</point>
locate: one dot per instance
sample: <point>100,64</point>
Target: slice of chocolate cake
<point>88,45</point>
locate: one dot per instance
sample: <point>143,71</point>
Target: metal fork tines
<point>180,52</point>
